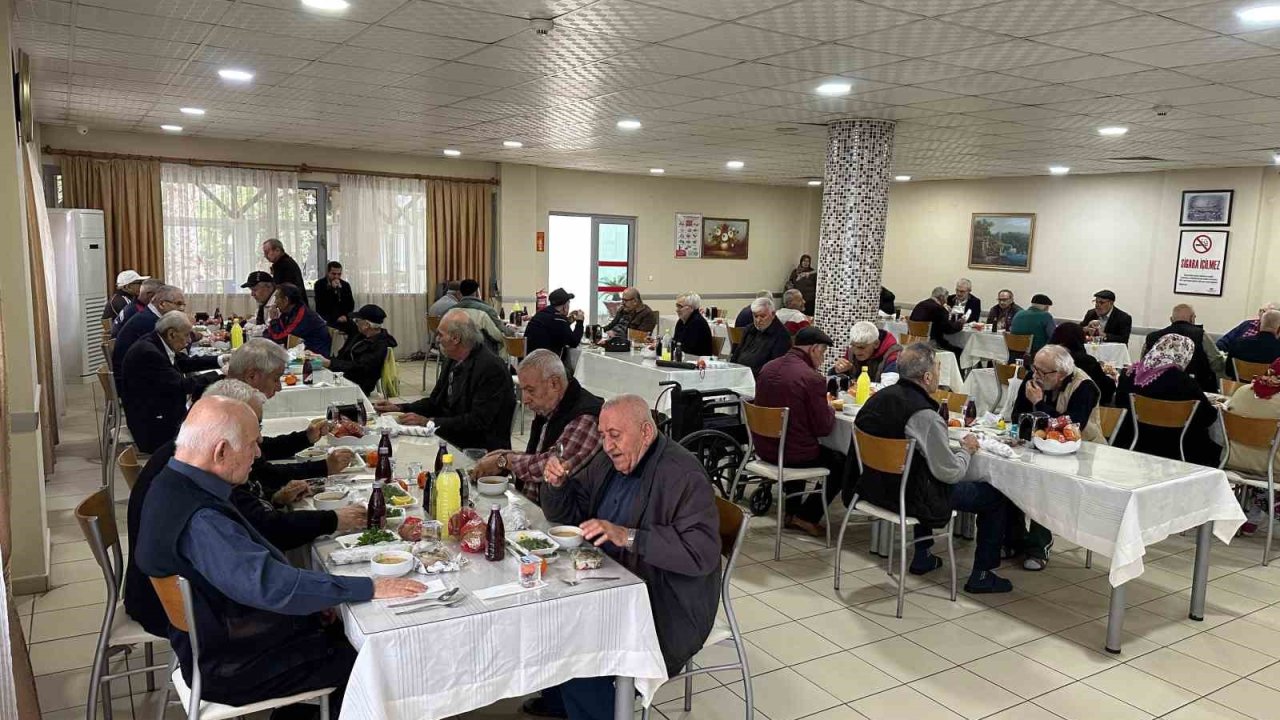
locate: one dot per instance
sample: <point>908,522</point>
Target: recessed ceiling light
<point>1113,130</point>
<point>171,128</point>
<point>656,171</point>
<point>327,5</point>
<point>815,183</point>
<point>192,111</point>
<point>902,178</point>
<point>735,164</point>
<point>834,88</point>
<point>235,75</point>
<point>450,152</point>
<point>512,144</point>
<point>629,125</point>
<point>1059,169</point>
<point>1259,14</point>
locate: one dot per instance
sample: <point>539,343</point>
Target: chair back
<point>129,465</point>
<point>108,353</point>
<point>97,519</point>
<point>1229,387</point>
<point>765,421</point>
<point>735,335</point>
<point>1162,413</point>
<point>1007,371</point>
<point>293,341</point>
<point>1110,419</point>
<point>175,595</point>
<point>1251,432</point>
<point>108,382</point>
<point>1247,371</point>
<point>886,455</point>
<point>516,347</point>
<point>909,339</point>
<point>433,325</point>
<point>637,336</point>
<point>1017,343</point>
<point>106,328</point>
<point>955,401</point>
<point>919,328</point>
<point>717,345</point>
<point>733,528</point>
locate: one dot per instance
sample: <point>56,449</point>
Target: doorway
<point>591,256</point>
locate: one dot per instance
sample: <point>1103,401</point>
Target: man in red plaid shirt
<point>565,426</point>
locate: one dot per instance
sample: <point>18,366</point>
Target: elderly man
<point>165,299</point>
<point>146,292</point>
<point>363,354</point>
<point>155,381</point>
<point>284,269</point>
<point>1001,315</point>
<point>791,314</point>
<point>263,289</point>
<point>452,294</point>
<point>1206,364</point>
<point>871,348</point>
<point>555,327</point>
<point>565,425</point>
<point>472,403</point>
<point>267,628</point>
<point>941,479</point>
<point>632,315</point>
<point>1035,321</point>
<point>1245,329</point>
<point>647,503</point>
<point>298,319</point>
<point>334,301</point>
<point>128,284</point>
<point>484,315</point>
<point>765,340</point>
<point>1263,347</point>
<point>693,332</point>
<point>1106,321</point>
<point>933,309</point>
<point>470,300</point>
<point>964,302</point>
<point>746,315</point>
<point>795,381</point>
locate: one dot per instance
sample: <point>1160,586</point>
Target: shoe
<point>1035,564</point>
<point>931,563</point>
<point>987,582</point>
<point>539,707</point>
<point>804,526</point>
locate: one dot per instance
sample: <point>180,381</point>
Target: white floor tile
<point>1025,711</point>
<point>1223,653</point>
<point>58,624</point>
<point>73,595</point>
<point>1001,628</point>
<point>1018,674</point>
<point>758,578</point>
<point>1081,702</point>
<point>965,693</point>
<point>718,704</point>
<point>1250,698</point>
<point>846,676</point>
<point>1185,671</point>
<point>752,614</point>
<point>792,643</point>
<point>1066,656</point>
<point>902,659</point>
<point>59,655</point>
<point>1251,635</point>
<point>953,642</point>
<point>885,611</point>
<point>1141,690</point>
<point>1044,614</point>
<point>786,695</point>
<point>1204,709</point>
<point>902,702</point>
<point>797,602</point>
<point>1093,635</point>
<point>847,628</point>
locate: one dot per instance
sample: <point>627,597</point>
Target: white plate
<point>521,535</point>
<point>1053,447</point>
<point>312,453</point>
<point>349,541</point>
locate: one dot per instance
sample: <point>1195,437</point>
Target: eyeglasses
<point>680,306</point>
<point>1041,371</point>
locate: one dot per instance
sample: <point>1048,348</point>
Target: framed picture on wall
<point>1202,262</point>
<point>1206,207</point>
<point>1001,241</point>
<point>725,239</point>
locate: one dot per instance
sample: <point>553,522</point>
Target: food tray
<point>520,537</point>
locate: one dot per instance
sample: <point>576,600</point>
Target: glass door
<point>613,241</point>
<point>591,256</point>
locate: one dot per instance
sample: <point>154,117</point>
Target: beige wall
<point>1092,231</point>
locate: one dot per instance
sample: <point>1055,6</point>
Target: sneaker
<point>987,582</point>
<point>1035,564</point>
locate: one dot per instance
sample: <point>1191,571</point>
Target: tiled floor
<point>823,654</point>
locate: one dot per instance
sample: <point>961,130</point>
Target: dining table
<point>438,662</point>
<point>301,400</point>
<point>719,328</point>
<point>979,344</point>
<point>613,373</point>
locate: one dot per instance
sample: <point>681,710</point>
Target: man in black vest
<point>1206,362</point>
<point>565,426</point>
<point>265,626</point>
<point>555,327</point>
<point>940,480</point>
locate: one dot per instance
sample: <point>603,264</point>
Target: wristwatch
<point>502,461</point>
<point>631,538</point>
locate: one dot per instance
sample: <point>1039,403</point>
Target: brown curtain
<point>40,314</point>
<point>128,191</point>
<point>459,232</point>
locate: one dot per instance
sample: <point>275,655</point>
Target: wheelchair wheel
<point>761,500</point>
<point>719,454</point>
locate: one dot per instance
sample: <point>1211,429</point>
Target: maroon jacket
<point>792,382</point>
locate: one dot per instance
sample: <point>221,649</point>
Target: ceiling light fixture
<point>656,171</point>
<point>902,178</point>
<point>450,152</point>
<point>735,164</point>
<point>815,183</point>
<point>1260,14</point>
<point>629,125</point>
<point>1275,157</point>
<point>1113,131</point>
<point>235,75</point>
<point>834,88</point>
<point>1059,169</point>
<point>327,5</point>
<point>171,128</point>
<point>512,144</point>
<point>191,111</point>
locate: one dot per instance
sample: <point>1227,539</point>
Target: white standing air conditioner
<point>80,259</point>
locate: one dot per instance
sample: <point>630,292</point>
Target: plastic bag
<point>460,519</point>
<point>514,518</point>
<point>473,535</point>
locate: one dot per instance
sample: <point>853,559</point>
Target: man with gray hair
<point>165,299</point>
<point>472,403</point>
<point>1245,329</point>
<point>157,377</point>
<point>693,332</point>
<point>443,304</point>
<point>745,314</point>
<point>941,479</point>
<point>284,269</point>
<point>1206,363</point>
<point>1263,347</point>
<point>765,340</point>
<point>933,310</point>
<point>964,302</point>
<point>870,348</point>
<point>564,426</point>
<point>791,314</point>
<point>146,291</point>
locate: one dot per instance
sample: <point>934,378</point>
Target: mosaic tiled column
<point>855,205</point>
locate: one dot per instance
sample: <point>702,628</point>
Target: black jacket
<point>155,391</point>
<point>1119,325</point>
<point>972,307</point>
<point>1261,348</point>
<point>332,304</point>
<point>1091,367</point>
<point>1199,366</point>
<point>138,326</point>
<point>360,359</point>
<point>759,347</point>
<point>693,335</point>
<point>286,270</point>
<point>473,402</point>
<point>928,310</point>
<point>545,431</point>
<point>885,415</point>
<point>549,330</point>
<point>116,305</point>
<point>1174,384</point>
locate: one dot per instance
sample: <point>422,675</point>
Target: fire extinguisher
<point>541,299</point>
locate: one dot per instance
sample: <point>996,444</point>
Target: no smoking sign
<point>1202,244</point>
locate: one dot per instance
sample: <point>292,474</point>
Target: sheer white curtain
<point>380,237</point>
<point>215,219</point>
<point>50,275</point>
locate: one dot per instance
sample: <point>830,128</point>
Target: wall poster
<point>1202,262</point>
<point>689,235</point>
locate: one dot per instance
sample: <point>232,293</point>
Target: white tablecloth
<point>1115,353</point>
<point>950,367</point>
<point>314,400</point>
<point>609,374</point>
<point>981,387</point>
<point>667,323</point>
<point>979,346</point>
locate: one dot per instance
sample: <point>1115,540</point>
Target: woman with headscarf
<point>1259,399</point>
<point>805,279</point>
<point>1071,336</point>
<point>1162,375</point>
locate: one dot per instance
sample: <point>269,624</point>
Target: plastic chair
<point>772,423</point>
<point>892,457</point>
<point>106,329</point>
<point>717,345</point>
<point>175,595</point>
<point>1229,387</point>
<point>96,517</point>
<point>433,325</point>
<point>735,336</point>
<point>919,328</point>
<point>1018,345</point>
<point>1259,434</point>
<point>1162,413</point>
<point>733,532</point>
<point>129,465</point>
<point>1247,371</point>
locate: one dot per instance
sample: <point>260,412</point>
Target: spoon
<point>441,598</point>
<point>431,606</point>
<point>579,581</point>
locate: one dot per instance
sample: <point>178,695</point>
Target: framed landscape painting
<point>1001,241</point>
<point>724,238</point>
<point>1206,207</point>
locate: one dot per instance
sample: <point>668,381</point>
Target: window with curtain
<point>379,233</point>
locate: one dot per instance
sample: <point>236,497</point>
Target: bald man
<point>633,314</point>
<point>647,503</point>
<point>266,628</point>
<point>1207,364</point>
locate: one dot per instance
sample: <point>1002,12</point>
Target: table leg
<point>1115,619</point>
<point>1200,573</point>
<point>624,698</point>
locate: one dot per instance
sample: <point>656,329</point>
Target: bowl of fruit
<point>1061,437</point>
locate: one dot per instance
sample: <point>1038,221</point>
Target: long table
<point>313,400</point>
<point>609,374</point>
<point>439,663</point>
<point>667,323</point>
<point>979,345</point>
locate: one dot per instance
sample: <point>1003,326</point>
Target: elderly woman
<point>805,279</point>
<point>1071,336</point>
<point>1162,375</point>
<point>1259,399</point>
<point>363,354</point>
<point>692,334</point>
<point>869,348</point>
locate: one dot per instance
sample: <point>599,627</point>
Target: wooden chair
<point>906,340</point>
<point>1111,419</point>
<point>108,353</point>
<point>516,348</point>
<point>119,633</point>
<point>733,532</point>
<point>1258,434</point>
<point>433,326</point>
<point>772,423</point>
<point>919,328</point>
<point>955,401</point>
<point>717,345</point>
<point>1175,414</point>
<point>638,336</point>
<point>735,336</point>
<point>114,432</point>
<point>892,457</point>
<point>129,465</point>
<point>175,595</point>
<point>1018,345</point>
<point>1247,371</point>
<point>106,329</point>
<point>1229,387</point>
<point>293,341</point>
<point>1004,373</point>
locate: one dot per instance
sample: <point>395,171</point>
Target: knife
<point>442,597</point>
<point>431,606</point>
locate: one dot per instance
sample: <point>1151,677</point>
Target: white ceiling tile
<point>1023,18</point>
<point>693,87</point>
<point>206,11</point>
<point>932,7</point>
<point>496,56</point>
<point>1018,114</point>
<point>904,95</point>
<point>669,60</point>
<point>1239,107</point>
<point>1236,70</point>
<point>1088,67</point>
<point>293,24</point>
<point>53,11</point>
<point>1269,86</point>
<point>428,83</point>
<point>1002,56</point>
<point>740,41</point>
<point>828,19</point>
<point>258,62</point>
<point>381,60</point>
<point>912,72</point>
<point>1149,80</point>
<point>964,105</point>
<point>645,98</point>
<point>145,46</point>
<point>1194,95</point>
<point>143,25</point>
<point>627,19</point>
<point>831,58</point>
<point>1134,32</point>
<point>1269,38</point>
<point>770,97</point>
<point>1102,105</point>
<point>982,83</point>
<point>718,106</point>
<point>1219,17</point>
<point>1044,94</point>
<point>462,72</point>
<point>572,44</point>
<point>1195,52</point>
<point>368,76</point>
<point>456,22</point>
<point>719,9</point>
<point>241,39</point>
<point>759,75</point>
<point>782,114</point>
<point>924,37</point>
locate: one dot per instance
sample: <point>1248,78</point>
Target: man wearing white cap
<point>127,284</point>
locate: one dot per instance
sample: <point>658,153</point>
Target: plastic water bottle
<point>863,391</point>
<point>448,495</point>
<point>666,346</point>
<point>237,335</point>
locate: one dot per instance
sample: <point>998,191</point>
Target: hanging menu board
<point>688,235</point>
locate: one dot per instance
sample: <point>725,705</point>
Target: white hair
<point>166,293</point>
<point>692,299</point>
<point>939,292</point>
<point>173,320</point>
<point>202,436</point>
<point>793,297</point>
<point>1270,320</point>
<point>1061,357</point>
<point>633,405</point>
<point>916,360</point>
<point>965,283</point>
<point>237,390</point>
<point>459,326</point>
<point>257,354</point>
<point>762,303</point>
<point>863,333</point>
<point>273,243</point>
<point>546,362</point>
<point>764,294</point>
